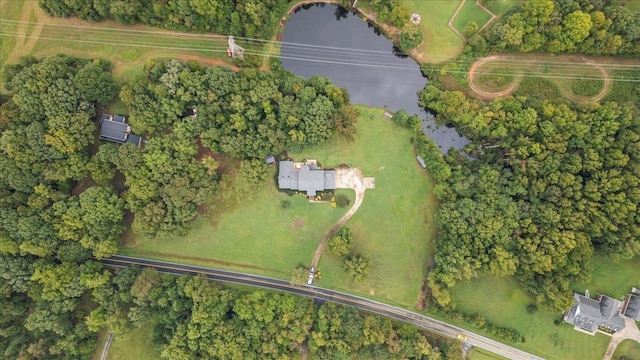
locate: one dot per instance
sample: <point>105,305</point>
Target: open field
<point>395,225</point>
<point>251,231</point>
<point>503,302</point>
<point>628,349</point>
<point>470,12</point>
<point>440,42</point>
<point>575,77</point>
<point>480,354</point>
<point>500,7</point>
<point>136,344</point>
<point>28,30</point>
<point>631,4</point>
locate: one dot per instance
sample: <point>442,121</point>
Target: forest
<point>242,18</point>
<point>62,208</point>
<point>548,183</point>
<point>564,26</point>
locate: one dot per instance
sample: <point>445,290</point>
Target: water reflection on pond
<point>332,42</point>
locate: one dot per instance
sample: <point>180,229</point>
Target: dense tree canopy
<point>551,183</point>
<point>246,18</point>
<point>566,26</point>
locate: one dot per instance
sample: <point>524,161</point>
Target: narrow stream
<point>332,42</point>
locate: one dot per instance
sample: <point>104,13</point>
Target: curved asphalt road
<point>393,312</point>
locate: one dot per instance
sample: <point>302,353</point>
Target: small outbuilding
<point>270,159</point>
<point>421,161</point>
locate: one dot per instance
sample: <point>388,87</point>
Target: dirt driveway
<point>346,178</point>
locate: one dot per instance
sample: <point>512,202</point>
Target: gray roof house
<point>631,305</point>
<point>115,129</point>
<point>305,177</point>
<point>601,314</point>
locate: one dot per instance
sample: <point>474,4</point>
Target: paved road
<point>315,292</point>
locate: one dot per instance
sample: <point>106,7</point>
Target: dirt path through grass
<point>556,69</point>
<point>346,178</point>
<point>25,44</point>
<point>38,34</point>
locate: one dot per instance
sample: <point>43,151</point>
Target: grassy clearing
<point>503,302</point>
<point>395,225</point>
<point>538,87</point>
<point>630,4</point>
<point>248,229</point>
<point>136,344</point>
<point>628,349</point>
<point>8,10</point>
<point>127,47</point>
<point>500,7</point>
<point>495,82</point>
<point>587,87</point>
<point>470,12</point>
<point>480,354</point>
<point>440,42</point>
<point>624,91</point>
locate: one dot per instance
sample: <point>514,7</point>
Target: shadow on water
<point>345,49</point>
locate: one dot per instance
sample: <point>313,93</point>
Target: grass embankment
<point>137,344</point>
<point>248,229</point>
<point>481,354</point>
<point>440,42</point>
<point>627,349</point>
<point>27,30</point>
<point>470,12</point>
<point>502,301</point>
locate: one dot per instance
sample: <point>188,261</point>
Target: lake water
<point>329,41</point>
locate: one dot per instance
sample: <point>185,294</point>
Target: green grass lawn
<point>8,10</point>
<point>628,349</point>
<point>631,4</point>
<point>251,231</point>
<point>471,12</point>
<point>127,47</point>
<point>136,344</point>
<point>500,7</point>
<point>440,42</point>
<point>480,354</point>
<point>503,302</point>
<point>395,225</point>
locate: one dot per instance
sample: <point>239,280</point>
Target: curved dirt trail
<point>351,178</point>
<point>488,95</point>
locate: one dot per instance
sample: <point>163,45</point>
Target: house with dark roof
<point>307,177</point>
<point>590,316</point>
<point>114,128</point>
<point>631,305</point>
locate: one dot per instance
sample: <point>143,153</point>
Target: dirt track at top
<point>489,95</point>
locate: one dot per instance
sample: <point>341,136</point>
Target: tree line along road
<point>321,294</point>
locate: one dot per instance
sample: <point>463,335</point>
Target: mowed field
<point>395,226</point>
<point>440,42</point>
<point>26,29</point>
<point>470,12</point>
<point>503,302</point>
<point>247,229</point>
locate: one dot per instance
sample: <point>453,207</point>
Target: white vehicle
<point>311,274</point>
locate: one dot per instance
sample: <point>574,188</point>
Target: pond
<point>332,42</point>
